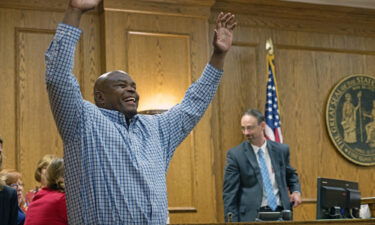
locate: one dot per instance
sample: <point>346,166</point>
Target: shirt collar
<point>256,148</point>
<point>116,116</point>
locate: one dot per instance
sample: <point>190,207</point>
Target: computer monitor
<point>337,199</point>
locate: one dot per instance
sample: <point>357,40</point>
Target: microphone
<point>229,217</point>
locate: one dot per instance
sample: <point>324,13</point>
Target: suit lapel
<point>274,160</point>
<point>249,152</point>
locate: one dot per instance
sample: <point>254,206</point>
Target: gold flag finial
<point>269,46</point>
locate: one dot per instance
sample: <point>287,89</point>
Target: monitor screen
<point>337,199</point>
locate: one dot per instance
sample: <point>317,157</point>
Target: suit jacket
<point>243,184</point>
<point>8,206</point>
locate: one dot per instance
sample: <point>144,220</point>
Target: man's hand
<point>225,23</point>
<point>84,5</point>
<point>296,198</point>
<point>76,9</point>
<point>223,37</point>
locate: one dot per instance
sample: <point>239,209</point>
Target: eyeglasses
<point>249,128</point>
<point>16,185</point>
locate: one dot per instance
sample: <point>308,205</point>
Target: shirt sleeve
<point>63,89</point>
<point>291,175</point>
<point>177,122</point>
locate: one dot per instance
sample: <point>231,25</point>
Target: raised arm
<point>63,89</point>
<point>181,119</point>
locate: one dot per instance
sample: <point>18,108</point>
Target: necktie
<point>267,185</point>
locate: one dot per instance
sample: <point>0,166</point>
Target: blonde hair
<point>55,175</point>
<point>43,163</point>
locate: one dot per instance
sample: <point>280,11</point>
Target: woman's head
<point>55,175</point>
<point>13,179</point>
<point>40,172</point>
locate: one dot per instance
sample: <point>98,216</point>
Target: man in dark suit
<point>258,176</point>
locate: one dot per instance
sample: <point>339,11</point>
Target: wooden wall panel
<point>163,81</point>
<point>170,77</point>
<point>36,133</point>
<point>315,144</point>
<point>7,86</point>
<point>27,125</point>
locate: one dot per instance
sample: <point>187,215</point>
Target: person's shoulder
<point>9,190</point>
<point>50,194</point>
<point>238,148</point>
<point>278,145</point>
<point>9,193</point>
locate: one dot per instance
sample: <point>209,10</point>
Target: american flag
<point>272,116</point>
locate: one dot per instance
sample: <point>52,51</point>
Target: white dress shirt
<point>270,171</point>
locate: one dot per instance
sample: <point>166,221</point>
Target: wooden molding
<point>276,8</point>
<point>185,8</point>
<point>182,209</point>
<point>300,16</point>
<point>335,50</point>
<point>41,5</point>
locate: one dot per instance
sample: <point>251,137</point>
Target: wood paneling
<point>36,133</point>
<point>170,77</point>
<point>27,125</point>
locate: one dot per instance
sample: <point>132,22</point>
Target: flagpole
<point>272,112</point>
<point>270,63</point>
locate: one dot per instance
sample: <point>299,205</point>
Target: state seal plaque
<point>350,118</point>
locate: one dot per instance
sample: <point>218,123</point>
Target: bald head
<point>116,90</point>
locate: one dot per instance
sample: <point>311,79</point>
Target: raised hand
<point>223,37</point>
<point>84,5</point>
<point>76,9</point>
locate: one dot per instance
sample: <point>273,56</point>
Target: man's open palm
<point>225,23</point>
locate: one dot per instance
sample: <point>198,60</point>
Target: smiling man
<point>117,91</point>
<point>116,160</point>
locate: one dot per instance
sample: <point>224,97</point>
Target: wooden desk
<point>307,210</point>
<point>318,222</point>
